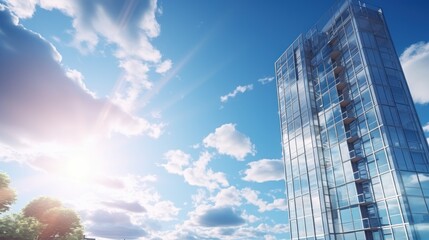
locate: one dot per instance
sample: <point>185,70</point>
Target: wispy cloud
<point>252,197</point>
<point>227,140</point>
<point>242,89</point>
<point>264,170</point>
<point>415,60</point>
<point>237,90</point>
<point>127,206</point>
<point>265,80</point>
<point>237,197</point>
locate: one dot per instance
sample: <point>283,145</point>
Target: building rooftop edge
<point>328,19</point>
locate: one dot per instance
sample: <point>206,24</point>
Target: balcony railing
<point>332,40</point>
<point>340,83</point>
<point>370,223</point>
<point>351,136</point>
<point>360,176</point>
<point>355,155</point>
<point>365,199</point>
<point>335,53</point>
<point>344,100</point>
<point>337,67</point>
<point>348,117</point>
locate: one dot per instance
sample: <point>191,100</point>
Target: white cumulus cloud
<point>264,170</point>
<point>200,175</point>
<point>164,66</point>
<point>415,62</point>
<point>237,90</point>
<point>227,140</point>
<point>177,160</point>
<point>228,197</point>
<point>196,173</point>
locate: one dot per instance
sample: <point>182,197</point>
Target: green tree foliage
<point>7,195</point>
<point>42,219</point>
<point>19,227</point>
<point>75,234</point>
<point>38,207</point>
<point>59,222</point>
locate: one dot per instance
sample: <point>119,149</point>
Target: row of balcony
<point>356,155</point>
<point>333,48</point>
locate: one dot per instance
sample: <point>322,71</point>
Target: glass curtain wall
<point>356,160</point>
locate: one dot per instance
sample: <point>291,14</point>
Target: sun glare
<point>78,168</point>
<point>83,163</point>
<point>74,164</point>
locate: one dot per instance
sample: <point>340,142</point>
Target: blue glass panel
<point>417,205</point>
<point>346,215</point>
<point>399,233</point>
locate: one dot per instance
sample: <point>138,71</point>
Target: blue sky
<point>158,119</point>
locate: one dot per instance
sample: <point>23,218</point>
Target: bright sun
<point>78,168</point>
<point>77,164</point>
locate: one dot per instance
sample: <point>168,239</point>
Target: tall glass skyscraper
<point>356,159</point>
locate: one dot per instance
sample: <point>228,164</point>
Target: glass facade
<point>356,159</point>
